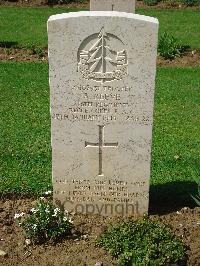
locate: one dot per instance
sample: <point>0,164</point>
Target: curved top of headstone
<point>103,14</point>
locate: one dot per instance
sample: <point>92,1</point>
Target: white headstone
<point>102,73</point>
<point>113,5</point>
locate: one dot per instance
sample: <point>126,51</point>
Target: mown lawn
<point>27,26</point>
<point>182,24</point>
<point>25,153</point>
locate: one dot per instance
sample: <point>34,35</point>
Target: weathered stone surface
<point>102,73</point>
<point>113,5</point>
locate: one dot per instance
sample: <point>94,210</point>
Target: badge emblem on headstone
<point>102,57</point>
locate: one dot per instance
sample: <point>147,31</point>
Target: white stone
<point>102,110</point>
<point>99,263</point>
<point>27,241</point>
<point>113,5</point>
<point>3,253</point>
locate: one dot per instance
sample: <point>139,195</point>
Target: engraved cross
<point>101,144</point>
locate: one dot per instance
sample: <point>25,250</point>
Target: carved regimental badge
<point>102,57</point>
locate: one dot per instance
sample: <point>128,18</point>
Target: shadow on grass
<point>5,44</point>
<point>170,197</point>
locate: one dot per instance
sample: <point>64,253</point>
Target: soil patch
<point>43,3</point>
<point>190,58</point>
<point>22,55</point>
<point>82,250</point>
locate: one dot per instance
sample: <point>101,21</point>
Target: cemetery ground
<point>26,39</point>
<point>25,157</point>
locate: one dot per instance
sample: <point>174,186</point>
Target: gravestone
<point>102,71</point>
<point>113,5</point>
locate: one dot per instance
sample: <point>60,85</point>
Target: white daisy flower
<point>33,210</point>
<point>18,215</point>
<point>70,220</point>
<point>34,226</point>
<point>48,192</point>
<point>47,211</point>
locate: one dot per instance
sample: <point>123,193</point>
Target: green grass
<point>182,24</point>
<point>176,144</point>
<point>24,26</point>
<point>25,154</point>
<point>176,125</point>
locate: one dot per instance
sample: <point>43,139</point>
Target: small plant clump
<point>54,2</point>
<point>35,50</point>
<point>151,2</point>
<point>169,47</point>
<point>142,243</point>
<point>191,2</point>
<point>45,222</point>
<point>196,197</point>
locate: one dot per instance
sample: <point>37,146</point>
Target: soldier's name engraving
<point>102,103</point>
<point>103,96</point>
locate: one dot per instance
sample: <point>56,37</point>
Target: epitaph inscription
<point>102,73</point>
